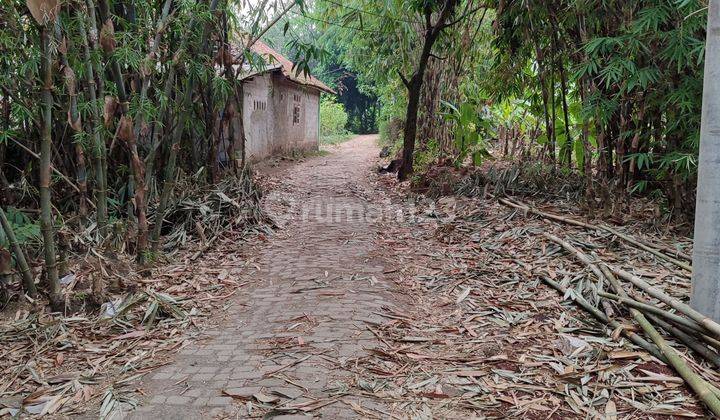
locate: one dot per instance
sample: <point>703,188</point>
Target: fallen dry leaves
<point>482,335</point>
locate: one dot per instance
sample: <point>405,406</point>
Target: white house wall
<point>258,118</point>
<point>271,124</point>
<point>296,134</point>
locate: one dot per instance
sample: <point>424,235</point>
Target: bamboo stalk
<point>169,175</point>
<point>5,271</point>
<point>584,304</point>
<point>169,179</point>
<point>654,310</point>
<point>647,248</point>
<point>157,138</point>
<point>620,235</point>
<point>688,340</point>
<point>685,325</point>
<point>702,388</point>
<point>577,253</point>
<point>589,263</point>
<point>127,133</point>
<point>99,143</point>
<point>705,390</point>
<point>28,281</point>
<point>98,70</point>
<point>148,66</point>
<point>701,319</point>
<point>74,120</point>
<point>46,217</point>
<point>703,336</point>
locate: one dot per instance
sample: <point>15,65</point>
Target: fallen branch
<point>289,365</point>
<point>587,261</point>
<point>647,308</point>
<point>683,324</point>
<point>701,348</point>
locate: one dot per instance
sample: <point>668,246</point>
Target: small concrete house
<point>281,110</point>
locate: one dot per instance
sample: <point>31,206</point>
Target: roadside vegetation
<point>592,105</point>
<point>119,156</point>
<point>333,122</point>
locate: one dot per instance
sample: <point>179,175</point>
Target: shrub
<point>391,130</point>
<point>333,118</point>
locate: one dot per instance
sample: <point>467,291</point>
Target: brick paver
<point>294,335</point>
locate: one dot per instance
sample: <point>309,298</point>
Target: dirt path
<point>288,338</point>
<point>370,304</point>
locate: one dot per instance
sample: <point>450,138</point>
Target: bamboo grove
<point>633,73</point>
<point>608,91</point>
<point>103,103</point>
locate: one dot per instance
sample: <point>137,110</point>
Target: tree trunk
<point>705,294</point>
<point>406,168</point>
<point>414,85</point>
<point>46,217</point>
<point>635,147</point>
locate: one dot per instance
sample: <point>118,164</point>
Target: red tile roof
<point>274,58</point>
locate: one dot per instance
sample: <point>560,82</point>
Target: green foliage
<point>391,131</point>
<point>333,118</point>
<point>26,230</point>
<point>427,155</point>
<point>469,133</point>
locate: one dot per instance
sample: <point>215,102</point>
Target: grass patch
<point>297,156</point>
<point>334,139</point>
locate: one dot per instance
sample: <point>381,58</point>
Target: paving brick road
<point>290,339</point>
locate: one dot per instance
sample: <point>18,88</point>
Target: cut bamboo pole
<point>584,304</point>
<point>701,319</point>
<point>647,248</point>
<point>647,308</point>
<point>590,226</point>
<point>684,324</point>
<point>702,388</point>
<point>701,348</point>
<point>588,262</point>
<point>525,207</point>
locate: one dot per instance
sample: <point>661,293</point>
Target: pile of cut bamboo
<point>684,324</point>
